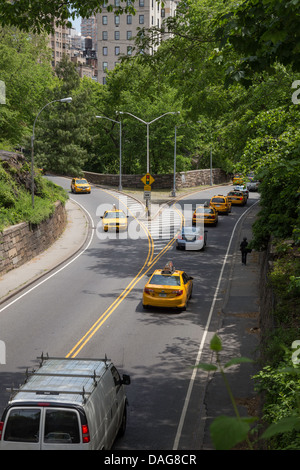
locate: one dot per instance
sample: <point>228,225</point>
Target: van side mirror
<point>126,379</point>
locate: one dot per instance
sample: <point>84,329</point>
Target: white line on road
<point>59,270</point>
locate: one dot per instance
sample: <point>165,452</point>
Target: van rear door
<point>61,429</point>
<point>43,428</point>
<point>21,429</point>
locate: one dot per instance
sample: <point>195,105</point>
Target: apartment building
<point>115,32</point>
<point>60,43</point>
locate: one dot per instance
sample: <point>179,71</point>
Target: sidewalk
<point>239,332</point>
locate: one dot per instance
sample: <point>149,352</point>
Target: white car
<point>243,189</point>
<point>253,185</point>
<point>191,238</point>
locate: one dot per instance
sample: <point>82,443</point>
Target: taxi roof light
<point>169,268</point>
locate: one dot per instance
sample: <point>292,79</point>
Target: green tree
<point>62,133</point>
<point>26,71</point>
<point>41,15</point>
<point>273,153</point>
<point>264,32</point>
<point>135,89</point>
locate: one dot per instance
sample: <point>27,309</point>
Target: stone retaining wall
<point>20,243</point>
<point>184,179</point>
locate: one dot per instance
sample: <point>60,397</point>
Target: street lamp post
<point>120,123</point>
<point>148,124</point>
<point>63,100</point>
<point>174,176</point>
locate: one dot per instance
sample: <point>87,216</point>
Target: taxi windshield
<point>218,199</point>
<point>165,280</point>
<point>114,215</point>
<point>81,181</point>
<point>204,210</point>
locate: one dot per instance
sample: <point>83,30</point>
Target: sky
<point>76,24</point>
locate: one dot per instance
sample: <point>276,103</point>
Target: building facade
<point>60,43</point>
<point>115,33</point>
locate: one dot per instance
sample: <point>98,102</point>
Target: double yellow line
<point>148,264</point>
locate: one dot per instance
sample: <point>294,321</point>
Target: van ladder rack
<point>94,376</point>
<point>52,392</point>
<point>45,358</point>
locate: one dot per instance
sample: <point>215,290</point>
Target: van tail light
<point>177,292</point>
<point>1,428</point>
<point>179,237</point>
<point>200,237</point>
<point>85,433</point>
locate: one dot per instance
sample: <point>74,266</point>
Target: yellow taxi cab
<point>206,215</point>
<point>168,287</point>
<point>238,179</point>
<point>237,198</point>
<point>114,219</point>
<point>221,204</point>
<point>80,185</point>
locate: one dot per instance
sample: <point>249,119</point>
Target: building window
<point>117,50</point>
<point>117,3</point>
<point>141,3</point>
<point>163,12</point>
<point>129,50</point>
<point>104,35</point>
<point>105,64</point>
<point>104,19</point>
<point>117,35</point>
<point>117,20</point>
<point>129,34</point>
<point>129,19</point>
<point>105,50</point>
<point>103,80</point>
<point>141,19</point>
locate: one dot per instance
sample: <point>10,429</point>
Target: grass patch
<point>15,196</point>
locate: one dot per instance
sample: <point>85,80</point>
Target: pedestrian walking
<point>244,249</point>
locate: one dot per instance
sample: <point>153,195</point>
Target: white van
<point>66,404</point>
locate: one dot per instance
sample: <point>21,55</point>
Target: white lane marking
<point>59,270</point>
<point>202,343</point>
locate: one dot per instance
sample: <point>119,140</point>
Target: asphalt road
<point>93,308</point>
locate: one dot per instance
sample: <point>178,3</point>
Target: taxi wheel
<point>145,306</point>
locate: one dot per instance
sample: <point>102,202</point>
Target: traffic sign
<point>147,194</point>
<point>147,179</point>
<point>147,187</point>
